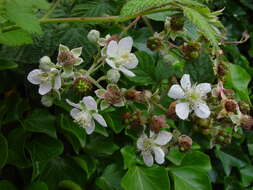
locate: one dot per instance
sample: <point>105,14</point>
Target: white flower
<point>190,98</point>
<point>46,77</point>
<point>93,36</point>
<point>85,112</point>
<point>153,146</point>
<point>119,56</point>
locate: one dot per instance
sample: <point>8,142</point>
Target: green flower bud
<point>93,36</point>
<point>113,75</point>
<point>47,100</point>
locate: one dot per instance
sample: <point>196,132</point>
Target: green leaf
<point>246,175</point>
<point>114,120</point>
<point>15,38</point>
<point>41,121</point>
<point>175,155</point>
<point>101,145</point>
<point>190,178</point>
<point>250,143</point>
<point>38,185</point>
<point>4,184</point>
<point>69,126</point>
<point>3,151</point>
<point>111,178</point>
<point>20,12</point>
<point>16,145</point>
<point>58,169</point>
<point>43,148</point>
<point>129,156</point>
<point>68,184</point>
<point>197,159</point>
<point>6,65</point>
<point>88,164</point>
<point>143,178</point>
<point>238,78</point>
<point>145,69</point>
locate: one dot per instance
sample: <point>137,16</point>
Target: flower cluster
<point>207,108</point>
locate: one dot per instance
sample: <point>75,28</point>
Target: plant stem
<point>159,106</point>
<point>93,81</point>
<point>95,19</point>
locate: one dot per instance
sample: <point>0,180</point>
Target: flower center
<point>147,144</point>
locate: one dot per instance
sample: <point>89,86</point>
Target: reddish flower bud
<point>184,142</point>
<point>171,112</point>
<point>157,123</point>
<point>154,43</point>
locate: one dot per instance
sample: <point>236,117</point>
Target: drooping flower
<point>190,98</point>
<point>119,56</point>
<point>47,76</point>
<point>112,95</point>
<point>153,146</point>
<point>85,112</point>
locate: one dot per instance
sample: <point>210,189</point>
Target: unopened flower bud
<point>244,108</point>
<point>45,63</point>
<point>157,123</point>
<point>247,122</point>
<point>171,112</point>
<point>184,142</point>
<point>222,68</point>
<point>93,36</point>
<point>113,75</point>
<point>230,106</point>
<point>47,100</point>
<point>135,95</point>
<point>82,85</point>
<point>134,120</point>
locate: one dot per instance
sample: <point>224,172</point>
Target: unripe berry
<point>154,43</point>
<point>82,85</point>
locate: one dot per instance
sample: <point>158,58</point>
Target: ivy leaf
<point>190,178</point>
<point>43,148</point>
<point>111,177</point>
<point>41,121</point>
<point>3,151</point>
<point>129,156</point>
<point>143,178</point>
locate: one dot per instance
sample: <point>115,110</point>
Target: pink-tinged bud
<point>171,112</point>
<point>184,142</point>
<point>66,58</point>
<point>157,123</point>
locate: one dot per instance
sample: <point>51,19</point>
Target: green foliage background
<point>43,149</point>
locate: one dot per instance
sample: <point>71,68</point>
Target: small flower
<point>93,36</point>
<point>190,98</point>
<point>85,112</point>
<point>68,57</point>
<point>119,56</point>
<point>153,145</point>
<point>46,77</point>
<point>112,95</point>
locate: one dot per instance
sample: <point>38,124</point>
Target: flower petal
<point>111,63</point>
<point>148,158</point>
<point>120,104</point>
<point>63,48</point>
<point>77,52</point>
<point>74,113</point>
<point>45,87</point>
<point>104,105</point>
<point>90,127</point>
<point>99,118</point>
<point>125,45</point>
<point>112,49</point>
<point>33,77</point>
<point>203,88</point>
<point>163,138</point>
<point>176,92</point>
<point>185,82</point>
<point>182,110</point>
<point>126,72</point>
<point>57,82</point>
<point>159,155</point>
<point>100,93</point>
<point>132,62</point>
<point>90,103</point>
<point>78,61</point>
<point>140,141</point>
<point>201,110</point>
<point>73,104</point>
